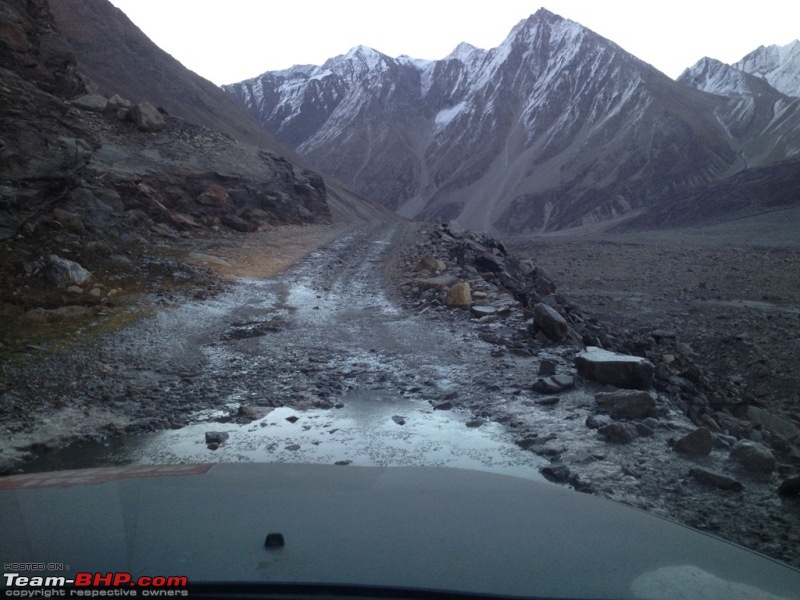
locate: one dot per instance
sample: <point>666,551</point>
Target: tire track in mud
<point>330,368</point>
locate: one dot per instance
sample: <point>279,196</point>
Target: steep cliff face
<point>555,127</point>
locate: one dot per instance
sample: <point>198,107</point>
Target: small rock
<point>753,457</point>
<point>697,443</point>
<point>476,422</point>
<point>550,322</point>
<point>550,401</point>
<point>430,263</point>
<point>343,463</point>
<point>64,273</point>
<point>626,404</point>
<point>483,311</point>
<point>399,420</point>
<point>444,406</point>
<point>293,419</point>
<point>459,295</point>
<point>717,480</point>
<point>547,367</point>
<point>557,474</point>
<point>598,421</point>
<point>619,433</point>
<point>216,438</point>
<point>554,384</point>
<point>93,102</point>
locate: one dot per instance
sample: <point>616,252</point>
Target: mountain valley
<point>175,276</point>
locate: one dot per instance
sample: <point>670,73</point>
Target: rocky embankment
<point>635,415</point>
<point>98,195</point>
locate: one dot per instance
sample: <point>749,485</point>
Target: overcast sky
<point>230,40</point>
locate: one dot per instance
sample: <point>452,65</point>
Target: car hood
<point>421,528</point>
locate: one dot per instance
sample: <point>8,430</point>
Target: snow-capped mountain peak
<point>778,65</point>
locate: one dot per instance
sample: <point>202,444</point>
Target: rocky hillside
<point>119,59</point>
<point>554,128</point>
<point>99,192</point>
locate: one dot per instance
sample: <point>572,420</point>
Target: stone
<point>116,102</point>
<point>547,367</point>
<point>447,405</point>
<point>430,263</point>
<point>489,262</point>
<point>772,423</point>
<point>620,370</point>
<point>598,421</point>
<point>459,295</point>
<point>619,433</point>
<point>64,273</point>
<point>753,457</point>
<point>146,117</point>
<point>92,102</point>
<point>554,384</point>
<point>215,195</point>
<point>697,443</point>
<point>483,311</point>
<point>715,479</point>
<point>790,486</point>
<point>399,420</point>
<point>216,437</point>
<point>626,404</point>
<point>239,224</point>
<point>556,474</point>
<point>442,282</point>
<point>547,319</point>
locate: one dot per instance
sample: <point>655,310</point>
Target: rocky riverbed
<point>439,322</point>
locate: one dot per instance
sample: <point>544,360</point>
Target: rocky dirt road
<point>352,357</point>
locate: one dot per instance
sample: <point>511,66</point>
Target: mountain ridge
<point>555,127</point>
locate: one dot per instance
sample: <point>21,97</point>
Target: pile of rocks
<point>475,277</point>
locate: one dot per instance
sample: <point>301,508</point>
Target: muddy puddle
<point>372,428</point>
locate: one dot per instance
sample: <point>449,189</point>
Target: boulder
<point>697,443</point>
<point>621,370</point>
<point>459,295</point>
<point>626,404</point>
<point>147,117</point>
<point>547,319</point>
<point>65,273</point>
<point>753,457</point>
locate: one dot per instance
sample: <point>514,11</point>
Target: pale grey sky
<point>230,40</point>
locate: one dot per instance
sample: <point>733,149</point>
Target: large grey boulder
<point>147,117</point>
<point>621,370</point>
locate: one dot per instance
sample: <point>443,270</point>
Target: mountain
<point>778,65</point>
<point>554,128</point>
<point>118,58</point>
<point>761,121</point>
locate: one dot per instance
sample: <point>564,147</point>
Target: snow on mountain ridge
<point>778,65</point>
